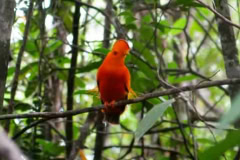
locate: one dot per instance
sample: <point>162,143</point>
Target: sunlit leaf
<point>89,92</point>
<point>89,67</point>
<point>174,79</point>
<point>11,70</point>
<point>178,26</point>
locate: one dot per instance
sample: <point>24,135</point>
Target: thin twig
<point>33,124</point>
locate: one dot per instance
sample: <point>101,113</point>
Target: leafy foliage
<point>175,42</point>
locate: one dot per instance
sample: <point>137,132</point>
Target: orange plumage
<point>113,79</point>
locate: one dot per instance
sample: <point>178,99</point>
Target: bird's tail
<point>113,116</point>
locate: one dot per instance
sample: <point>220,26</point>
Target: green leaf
<point>233,114</point>
<point>29,68</point>
<point>145,52</point>
<point>172,65</point>
<point>89,92</point>
<point>52,46</point>
<point>60,61</point>
<point>144,68</point>
<point>174,79</point>
<point>23,106</point>
<point>163,26</point>
<point>136,107</point>
<point>146,32</point>
<point>125,13</point>
<point>89,67</point>
<point>195,29</point>
<point>130,26</point>
<point>67,19</point>
<point>128,15</point>
<point>146,18</point>
<point>205,141</point>
<point>50,147</point>
<point>31,48</point>
<point>101,50</point>
<point>188,3</point>
<point>11,70</point>
<point>152,116</point>
<point>79,82</point>
<point>216,151</point>
<point>81,92</point>
<point>31,87</point>
<point>21,27</point>
<point>141,81</point>
<point>178,26</point>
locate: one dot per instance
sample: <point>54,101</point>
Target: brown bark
<point>6,21</point>
<point>229,48</point>
<point>8,149</point>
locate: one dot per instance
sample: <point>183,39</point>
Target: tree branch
<point>159,148</point>
<point>130,101</point>
<point>8,149</point>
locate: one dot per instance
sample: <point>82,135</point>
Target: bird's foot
<point>108,107</point>
<point>106,104</point>
<point>112,104</point>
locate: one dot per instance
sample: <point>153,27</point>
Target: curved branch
<point>219,15</point>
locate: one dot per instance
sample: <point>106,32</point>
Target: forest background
<point>184,64</point>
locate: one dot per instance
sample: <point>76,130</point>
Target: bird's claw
<point>112,104</point>
<point>108,106</point>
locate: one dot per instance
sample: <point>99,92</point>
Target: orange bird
<point>113,79</point>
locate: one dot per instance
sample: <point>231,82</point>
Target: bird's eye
<point>115,52</point>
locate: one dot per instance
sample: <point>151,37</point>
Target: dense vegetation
<point>57,46</point>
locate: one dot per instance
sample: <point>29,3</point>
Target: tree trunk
<point>6,20</point>
<point>71,79</point>
<point>229,48</point>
